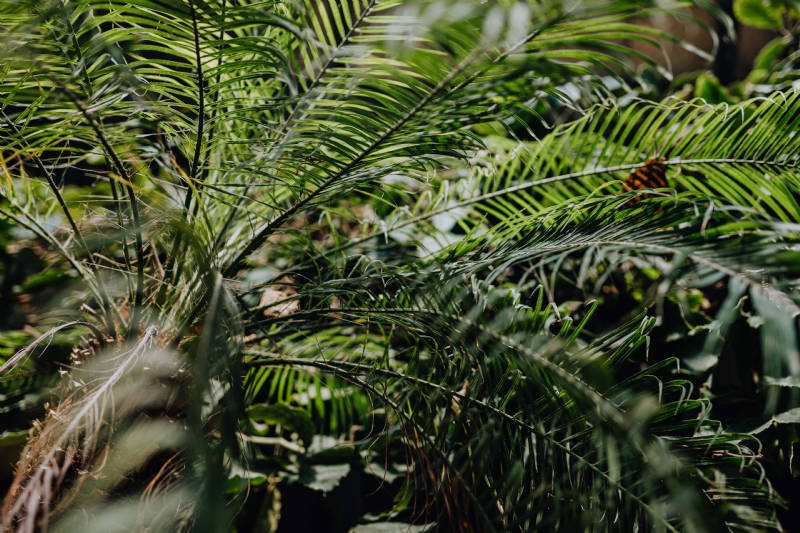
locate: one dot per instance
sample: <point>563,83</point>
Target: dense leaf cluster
<point>320,246</point>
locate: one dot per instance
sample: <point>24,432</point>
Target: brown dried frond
<point>446,501</point>
<point>112,432</point>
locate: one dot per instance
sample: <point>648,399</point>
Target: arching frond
<point>262,212</point>
<point>744,154</point>
<point>567,442</point>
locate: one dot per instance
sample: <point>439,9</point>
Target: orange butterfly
<point>653,175</point>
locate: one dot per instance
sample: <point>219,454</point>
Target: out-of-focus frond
<point>516,426</point>
<point>107,395</point>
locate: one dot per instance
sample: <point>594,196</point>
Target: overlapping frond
<point>744,154</point>
<point>222,135</point>
<point>483,372</point>
<point>688,240</point>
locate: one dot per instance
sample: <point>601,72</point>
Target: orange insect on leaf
<point>653,175</point>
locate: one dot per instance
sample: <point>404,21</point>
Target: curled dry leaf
<point>277,300</point>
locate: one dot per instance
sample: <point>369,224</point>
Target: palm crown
<point>302,228</point>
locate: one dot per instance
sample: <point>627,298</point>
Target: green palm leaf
<point>231,139</point>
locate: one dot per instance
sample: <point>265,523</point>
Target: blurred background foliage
<point>295,303</point>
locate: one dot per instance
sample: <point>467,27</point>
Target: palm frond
<point>230,135</point>
<point>744,154</point>
<point>485,373</point>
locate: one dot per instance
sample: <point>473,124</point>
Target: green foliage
<point>760,13</point>
<point>313,249</point>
